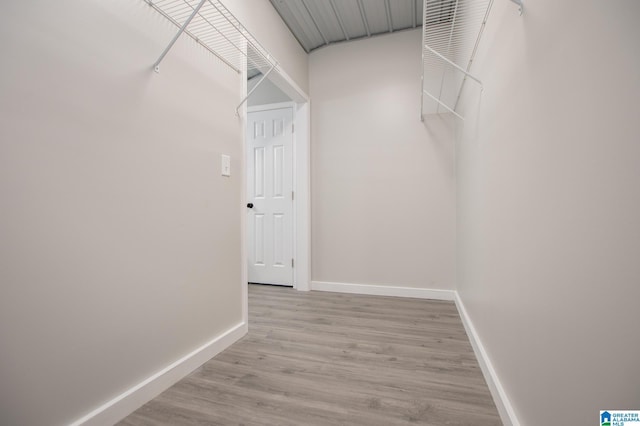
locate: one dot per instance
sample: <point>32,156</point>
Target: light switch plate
<point>226,165</point>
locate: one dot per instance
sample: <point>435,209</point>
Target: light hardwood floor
<point>334,359</point>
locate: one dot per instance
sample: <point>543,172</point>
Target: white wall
<point>266,93</point>
<point>383,189</point>
<point>549,206</point>
<point>264,23</point>
<point>119,239</point>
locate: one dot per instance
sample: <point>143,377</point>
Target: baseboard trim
<point>119,407</point>
<point>383,290</point>
<point>505,409</point>
<point>127,402</point>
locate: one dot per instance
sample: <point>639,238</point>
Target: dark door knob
<point>250,205</point>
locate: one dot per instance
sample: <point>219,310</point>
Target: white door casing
<point>270,192</point>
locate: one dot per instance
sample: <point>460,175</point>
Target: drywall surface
<point>264,23</point>
<point>549,207</point>
<point>119,239</point>
<point>383,190</point>
<point>265,93</point>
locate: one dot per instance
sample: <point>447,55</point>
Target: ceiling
<point>317,23</point>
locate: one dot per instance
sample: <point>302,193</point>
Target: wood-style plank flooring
<point>334,359</point>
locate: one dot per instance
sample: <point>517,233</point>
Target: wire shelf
<point>450,36</point>
<point>212,26</point>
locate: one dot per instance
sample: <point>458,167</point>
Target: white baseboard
<point>384,290</point>
<point>505,409</point>
<point>119,407</point>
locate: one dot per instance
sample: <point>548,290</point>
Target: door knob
<point>250,205</point>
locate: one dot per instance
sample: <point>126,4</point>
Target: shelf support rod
<point>453,26</point>
<point>475,49</point>
<point>445,106</point>
<point>453,64</point>
<point>156,65</point>
<point>255,87</point>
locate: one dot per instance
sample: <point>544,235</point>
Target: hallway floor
<point>317,358</point>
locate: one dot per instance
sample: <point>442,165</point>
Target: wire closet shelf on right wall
<point>451,32</point>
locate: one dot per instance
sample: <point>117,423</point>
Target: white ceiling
<point>317,23</point>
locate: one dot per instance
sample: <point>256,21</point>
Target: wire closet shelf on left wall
<point>212,26</point>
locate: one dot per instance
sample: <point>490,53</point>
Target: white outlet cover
<point>226,165</point>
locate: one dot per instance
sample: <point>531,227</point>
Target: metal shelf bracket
<point>156,65</point>
<point>520,6</point>
<point>451,32</point>
<point>453,64</point>
<point>255,87</point>
<point>210,24</point>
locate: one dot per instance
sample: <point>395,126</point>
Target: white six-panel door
<point>270,196</point>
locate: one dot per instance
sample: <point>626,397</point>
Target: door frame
<point>301,209</point>
<point>301,183</point>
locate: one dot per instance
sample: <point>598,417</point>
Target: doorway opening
<point>276,198</point>
<point>270,194</point>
